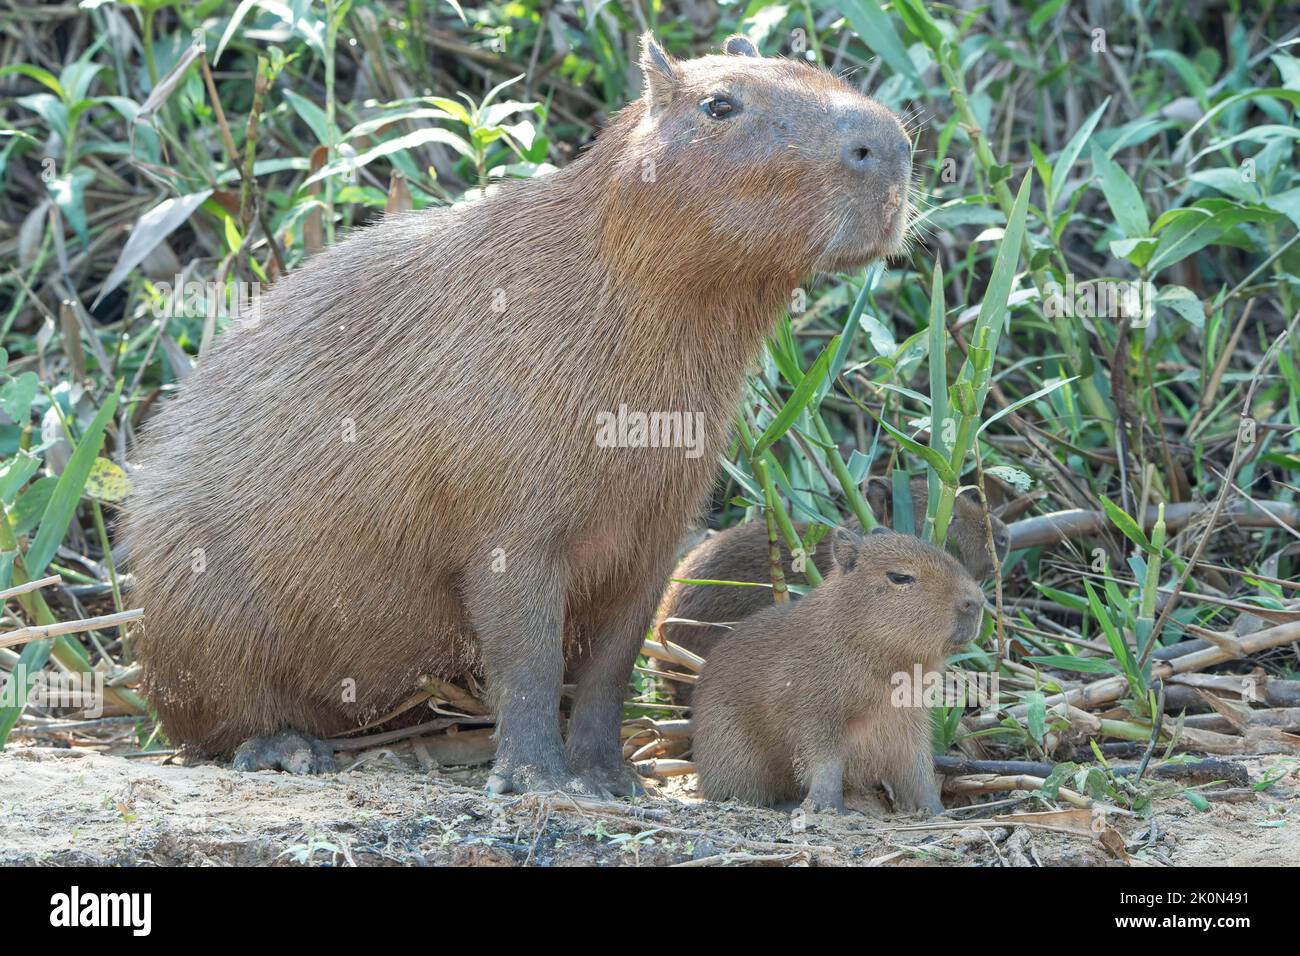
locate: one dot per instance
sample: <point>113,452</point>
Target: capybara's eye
<point>898,577</point>
<point>719,107</point>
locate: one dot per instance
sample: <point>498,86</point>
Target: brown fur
<point>797,700</point>
<point>471,349</point>
<point>741,554</point>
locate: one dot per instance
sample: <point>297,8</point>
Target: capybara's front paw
<point>289,751</point>
<point>619,781</point>
<point>823,804</point>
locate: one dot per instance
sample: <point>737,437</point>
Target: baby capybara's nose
<point>873,152</point>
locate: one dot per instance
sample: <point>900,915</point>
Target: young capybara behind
<point>797,701</point>
<point>403,465</point>
<point>741,554</point>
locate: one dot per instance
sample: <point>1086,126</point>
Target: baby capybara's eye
<point>719,107</point>
<point>898,577</point>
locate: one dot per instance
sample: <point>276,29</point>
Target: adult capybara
<point>741,554</point>
<point>802,698</point>
<point>404,465</point>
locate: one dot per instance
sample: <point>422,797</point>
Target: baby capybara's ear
<point>846,546</point>
<point>738,45</point>
<point>879,499</point>
<point>660,73</point>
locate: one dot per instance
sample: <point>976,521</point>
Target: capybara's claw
<point>289,751</point>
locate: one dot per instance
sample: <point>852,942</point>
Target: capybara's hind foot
<point>289,751</point>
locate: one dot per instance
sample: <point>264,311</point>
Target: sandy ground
<point>71,807</point>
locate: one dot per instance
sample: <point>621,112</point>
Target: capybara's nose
<point>968,606</point>
<point>868,154</point>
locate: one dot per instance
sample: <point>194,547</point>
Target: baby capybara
<point>797,700</point>
<point>402,466</point>
<point>741,554</point>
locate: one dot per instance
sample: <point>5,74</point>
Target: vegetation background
<point>1061,148</point>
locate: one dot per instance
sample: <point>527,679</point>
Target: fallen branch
<point>40,632</point>
<point>992,783</point>
<point>29,586</point>
<point>1111,689</point>
<point>1078,522</point>
<point>665,650</point>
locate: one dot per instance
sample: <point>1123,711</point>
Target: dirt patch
<point>77,807</point>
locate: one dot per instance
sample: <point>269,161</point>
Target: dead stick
<point>40,632</point>
<point>30,586</point>
<point>1112,689</point>
<point>1077,522</point>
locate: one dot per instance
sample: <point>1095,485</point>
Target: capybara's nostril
<point>969,606</point>
<point>872,152</point>
<point>858,156</point>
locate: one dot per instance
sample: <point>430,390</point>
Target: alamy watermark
<point>49,689</point>
<point>1101,299</point>
<point>182,298</point>
<point>951,688</point>
<point>630,429</point>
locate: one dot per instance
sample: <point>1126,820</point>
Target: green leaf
<point>34,73</point>
<point>1118,647</point>
<point>1036,717</point>
<point>236,18</point>
<point>399,144</point>
<point>1063,598</point>
<point>993,309</point>
<point>1073,148</point>
<point>794,406</point>
<point>1020,402</point>
<point>1184,302</point>
<point>1126,524</point>
<point>877,31</point>
<point>919,21</point>
<point>1290,96</point>
<point>17,395</point>
<point>1188,230</point>
<point>63,503</point>
<point>932,458</point>
<point>1068,662</point>
<point>869,278</point>
<point>313,116</point>
<point>937,360</point>
<point>31,504</point>
<point>16,473</point>
<point>1044,13</point>
<point>1121,195</point>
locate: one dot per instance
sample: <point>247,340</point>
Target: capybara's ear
<point>879,498</point>
<point>660,73</point>
<point>846,545</point>
<point>738,45</point>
